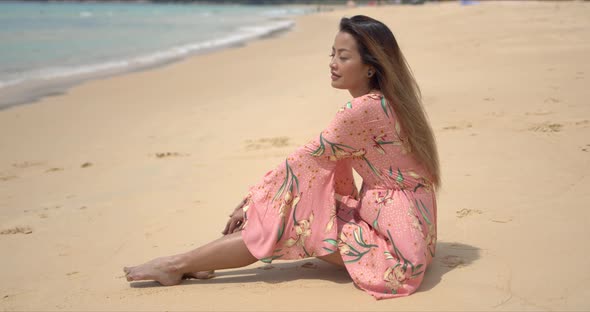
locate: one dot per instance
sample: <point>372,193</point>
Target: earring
<point>370,74</point>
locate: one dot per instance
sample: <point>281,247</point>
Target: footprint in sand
<point>40,211</point>
<point>7,178</point>
<point>27,164</point>
<point>460,126</point>
<point>546,127</point>
<point>266,143</point>
<point>467,212</point>
<point>45,215</point>
<point>501,219</point>
<point>582,123</point>
<point>72,273</point>
<point>170,154</point>
<point>552,100</point>
<point>17,230</point>
<point>86,165</point>
<point>489,99</point>
<point>452,261</point>
<point>538,113</point>
<point>579,75</point>
<point>55,169</point>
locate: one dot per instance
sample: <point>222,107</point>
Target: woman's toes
<point>132,275</point>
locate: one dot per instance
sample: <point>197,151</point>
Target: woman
<point>309,206</point>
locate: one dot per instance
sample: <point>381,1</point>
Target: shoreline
<point>33,91</point>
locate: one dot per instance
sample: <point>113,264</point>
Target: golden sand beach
<point>120,170</point>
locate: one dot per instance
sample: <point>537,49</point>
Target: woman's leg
<point>227,252</point>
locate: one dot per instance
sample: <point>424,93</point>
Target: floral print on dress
<point>309,205</point>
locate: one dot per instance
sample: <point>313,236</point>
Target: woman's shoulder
<point>371,105</point>
<point>364,101</point>
<point>367,99</point>
<point>361,106</point>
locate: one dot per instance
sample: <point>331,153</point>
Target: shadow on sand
<point>277,272</point>
<point>449,256</point>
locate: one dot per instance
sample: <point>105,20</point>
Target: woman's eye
<point>340,58</point>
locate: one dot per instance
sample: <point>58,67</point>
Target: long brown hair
<point>393,77</point>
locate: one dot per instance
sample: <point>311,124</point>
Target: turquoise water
<point>45,41</point>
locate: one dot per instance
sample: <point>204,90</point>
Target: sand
<point>121,170</point>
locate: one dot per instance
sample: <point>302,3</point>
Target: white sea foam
<point>8,83</point>
<point>278,12</point>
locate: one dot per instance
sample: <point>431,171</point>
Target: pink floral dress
<point>309,205</point>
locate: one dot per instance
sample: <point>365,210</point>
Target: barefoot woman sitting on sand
<point>308,206</point>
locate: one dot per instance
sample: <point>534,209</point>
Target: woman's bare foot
<point>200,275</point>
<point>162,270</point>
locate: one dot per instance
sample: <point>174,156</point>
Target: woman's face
<point>346,66</point>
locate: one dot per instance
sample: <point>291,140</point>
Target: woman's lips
<point>334,76</point>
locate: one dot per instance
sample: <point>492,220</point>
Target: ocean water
<point>42,42</point>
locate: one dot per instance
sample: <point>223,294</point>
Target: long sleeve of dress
<point>296,199</point>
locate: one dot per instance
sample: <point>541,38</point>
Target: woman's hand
<point>236,220</point>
